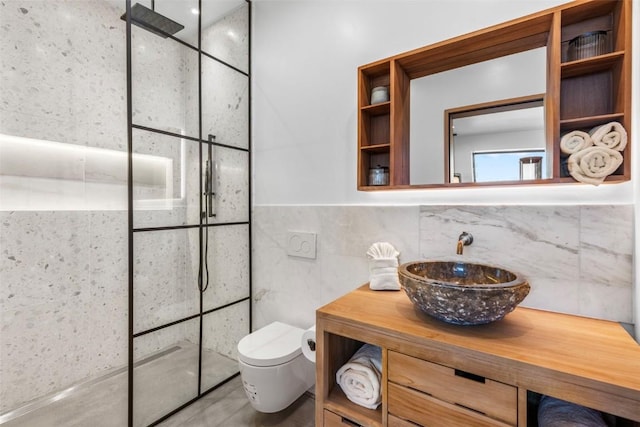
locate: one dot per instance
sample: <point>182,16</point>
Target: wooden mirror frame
<point>383,129</point>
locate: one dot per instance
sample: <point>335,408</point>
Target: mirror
<point>519,75</point>
<point>496,142</point>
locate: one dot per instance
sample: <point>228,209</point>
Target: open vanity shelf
<point>445,375</point>
<point>580,94</point>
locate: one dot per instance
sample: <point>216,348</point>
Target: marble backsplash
<point>578,259</point>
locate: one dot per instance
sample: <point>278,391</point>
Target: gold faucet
<point>465,239</point>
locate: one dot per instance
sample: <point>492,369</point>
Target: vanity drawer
<point>399,422</point>
<point>334,420</point>
<point>428,411</point>
<point>492,398</point>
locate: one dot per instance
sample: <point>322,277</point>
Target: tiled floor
<point>161,383</point>
<point>228,406</point>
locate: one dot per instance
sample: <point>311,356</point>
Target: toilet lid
<point>275,344</point>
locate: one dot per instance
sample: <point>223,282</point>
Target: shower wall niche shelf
<point>580,93</point>
<point>438,374</point>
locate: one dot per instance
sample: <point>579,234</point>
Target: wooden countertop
<point>592,362</point>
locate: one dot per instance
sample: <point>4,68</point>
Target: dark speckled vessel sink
<point>462,293</point>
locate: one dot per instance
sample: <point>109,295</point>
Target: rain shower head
<point>152,21</point>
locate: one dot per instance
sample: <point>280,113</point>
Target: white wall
<point>305,57</point>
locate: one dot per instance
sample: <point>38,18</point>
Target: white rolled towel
<point>360,377</point>
<point>575,141</point>
<point>592,165</point>
<point>612,135</point>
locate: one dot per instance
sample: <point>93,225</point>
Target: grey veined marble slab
<point>578,259</point>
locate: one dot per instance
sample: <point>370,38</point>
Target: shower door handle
<point>210,179</point>
<point>212,187</point>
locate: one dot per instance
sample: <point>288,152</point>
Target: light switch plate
<point>301,244</point>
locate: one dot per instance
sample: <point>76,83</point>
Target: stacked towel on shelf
<point>575,141</point>
<point>595,155</point>
<point>612,135</point>
<point>554,412</point>
<point>592,165</point>
<point>383,267</point>
<point>359,378</point>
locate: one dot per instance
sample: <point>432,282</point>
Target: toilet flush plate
<point>301,244</point>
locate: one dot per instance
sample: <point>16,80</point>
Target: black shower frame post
<point>250,155</point>
<point>200,216</point>
<point>129,217</point>
<point>201,225</point>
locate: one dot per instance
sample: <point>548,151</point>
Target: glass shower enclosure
<point>189,199</point>
<point>125,275</point>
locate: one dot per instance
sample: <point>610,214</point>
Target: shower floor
<point>162,382</point>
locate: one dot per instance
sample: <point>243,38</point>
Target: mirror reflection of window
<point>491,166</point>
<point>522,74</point>
<point>509,125</point>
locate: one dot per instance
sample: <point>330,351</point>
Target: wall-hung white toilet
<point>273,369</point>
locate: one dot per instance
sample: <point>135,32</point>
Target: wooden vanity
<point>438,374</point>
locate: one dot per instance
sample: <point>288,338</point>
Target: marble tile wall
<point>228,38</point>
<point>290,289</point>
<point>63,71</point>
<point>167,64</point>
<point>63,299</point>
<point>225,108</point>
<point>578,258</point>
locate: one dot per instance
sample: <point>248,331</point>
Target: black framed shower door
<point>189,194</point>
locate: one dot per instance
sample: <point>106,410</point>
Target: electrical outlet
<point>301,244</point>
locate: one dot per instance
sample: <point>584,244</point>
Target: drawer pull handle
<point>349,422</point>
<point>469,376</point>
<point>470,409</point>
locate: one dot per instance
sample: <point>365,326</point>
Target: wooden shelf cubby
<point>340,350</point>
<point>383,128</point>
<point>581,93</point>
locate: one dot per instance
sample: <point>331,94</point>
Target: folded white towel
<point>384,270</point>
<point>575,141</point>
<point>377,263</point>
<point>383,267</point>
<point>383,274</point>
<point>592,165</point>
<point>384,282</point>
<point>612,135</point>
<point>382,250</point>
<point>359,378</point>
